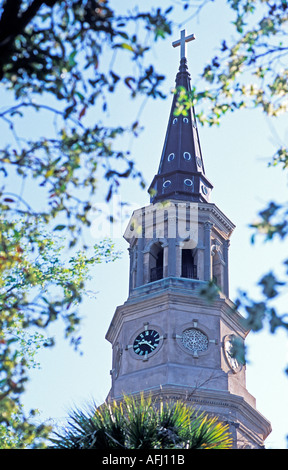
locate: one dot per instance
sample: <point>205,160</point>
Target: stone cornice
<point>217,215</point>
<point>174,291</point>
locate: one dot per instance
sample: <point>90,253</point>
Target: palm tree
<point>142,424</point>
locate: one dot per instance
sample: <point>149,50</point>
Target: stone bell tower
<point>168,340</point>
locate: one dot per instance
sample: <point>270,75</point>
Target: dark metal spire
<point>181,173</point>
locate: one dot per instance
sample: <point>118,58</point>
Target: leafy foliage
<point>18,431</point>
<point>59,53</point>
<point>251,71</point>
<point>38,285</point>
<point>143,424</point>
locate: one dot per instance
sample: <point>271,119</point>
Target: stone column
<point>146,267</point>
<point>130,251</point>
<point>226,245</point>
<point>140,262</point>
<point>165,259</point>
<point>207,252</point>
<point>171,257</point>
<point>178,258</point>
<point>200,262</point>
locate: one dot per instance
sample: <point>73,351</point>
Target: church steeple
<point>168,341</point>
<point>181,173</point>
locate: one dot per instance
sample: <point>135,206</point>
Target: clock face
<point>146,342</point>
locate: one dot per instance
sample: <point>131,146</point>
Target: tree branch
<point>11,24</point>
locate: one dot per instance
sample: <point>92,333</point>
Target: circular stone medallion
<point>194,340</point>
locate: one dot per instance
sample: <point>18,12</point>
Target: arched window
<point>156,262</point>
<point>189,269</point>
<point>187,156</point>
<point>171,157</point>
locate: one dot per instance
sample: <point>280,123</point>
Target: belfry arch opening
<point>188,266</point>
<point>217,267</point>
<point>156,262</point>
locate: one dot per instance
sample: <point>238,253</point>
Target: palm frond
<point>141,423</point>
<point>208,433</point>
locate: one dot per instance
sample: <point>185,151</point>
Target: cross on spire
<point>182,43</point>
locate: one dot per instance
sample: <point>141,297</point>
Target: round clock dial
<point>146,342</point>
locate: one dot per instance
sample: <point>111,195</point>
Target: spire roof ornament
<point>181,173</point>
<point>182,43</point>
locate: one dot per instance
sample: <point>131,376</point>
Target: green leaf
<point>71,58</point>
<point>124,45</point>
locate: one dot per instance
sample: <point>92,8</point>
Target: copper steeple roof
<point>181,173</point>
